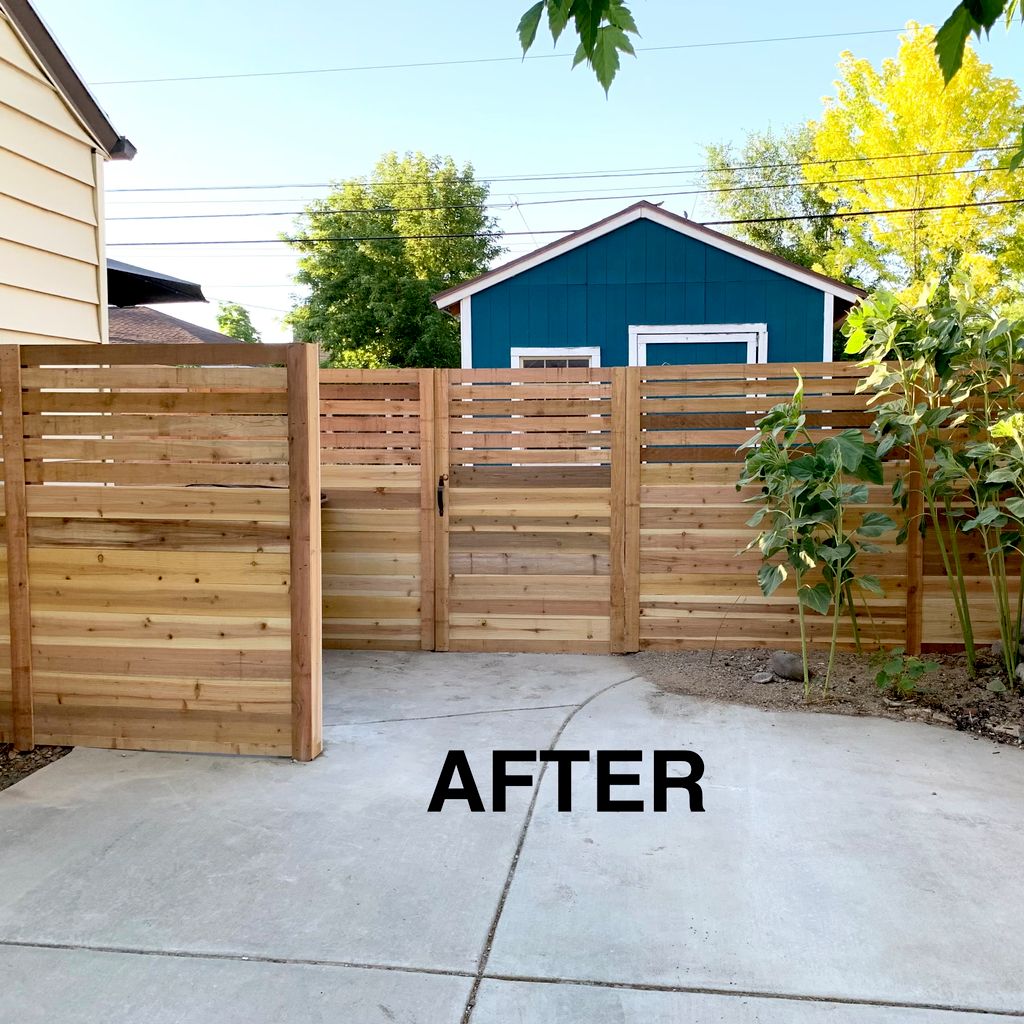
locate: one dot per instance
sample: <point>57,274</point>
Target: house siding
<point>643,273</point>
<point>52,275</point>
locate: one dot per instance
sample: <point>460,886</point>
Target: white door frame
<point>757,338</point>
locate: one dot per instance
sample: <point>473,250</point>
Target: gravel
<point>14,766</point>
<point>945,697</point>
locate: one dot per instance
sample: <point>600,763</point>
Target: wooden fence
<point>162,548</point>
<point>572,510</point>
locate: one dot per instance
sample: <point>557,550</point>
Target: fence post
<point>428,511</point>
<point>16,509</point>
<point>625,511</point>
<point>442,575</point>
<point>304,517</point>
<point>915,563</point>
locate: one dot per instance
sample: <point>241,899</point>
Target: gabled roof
<point>142,325</point>
<point>51,58</point>
<point>648,211</point>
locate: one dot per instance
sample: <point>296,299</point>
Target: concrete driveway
<point>848,871</point>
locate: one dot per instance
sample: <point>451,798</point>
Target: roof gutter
<point>51,57</point>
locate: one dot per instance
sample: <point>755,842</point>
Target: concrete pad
<point>838,857</point>
<point>337,859</point>
<point>84,987</point>
<point>365,686</point>
<point>501,1002</point>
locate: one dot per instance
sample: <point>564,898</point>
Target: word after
<point>457,767</point>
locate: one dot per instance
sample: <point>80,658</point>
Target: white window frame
<point>547,351</point>
<point>757,344</point>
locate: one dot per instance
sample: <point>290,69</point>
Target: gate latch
<point>440,495</point>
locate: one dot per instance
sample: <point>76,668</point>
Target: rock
<point>1013,732</point>
<point>787,665</point>
<point>1020,672</point>
<point>941,716</point>
<point>763,677</point>
<point>997,649</point>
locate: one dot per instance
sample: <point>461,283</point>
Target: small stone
<point>997,649</point>
<point>1012,732</point>
<point>763,677</point>
<point>1020,673</point>
<point>941,716</point>
<point>787,665</point>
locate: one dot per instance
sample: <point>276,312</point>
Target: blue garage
<point>646,287</point>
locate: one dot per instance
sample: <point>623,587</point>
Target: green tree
<point>374,251</point>
<point>764,179</point>
<point>234,320</point>
<point>898,111</point>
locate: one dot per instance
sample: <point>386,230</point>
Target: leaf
<point>770,578</point>
<point>558,17</point>
<point>528,24</point>
<point>996,686</point>
<point>1002,476</point>
<point>620,16</point>
<point>874,524</point>
<point>834,554</point>
<point>605,57</point>
<point>818,598</point>
<point>1016,506</point>
<point>849,447</point>
<point>951,39</point>
<point>871,584</point>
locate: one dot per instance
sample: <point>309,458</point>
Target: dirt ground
<point>14,766</point>
<point>945,697</point>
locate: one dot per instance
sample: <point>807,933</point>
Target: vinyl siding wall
<point>52,276</point>
<point>643,273</point>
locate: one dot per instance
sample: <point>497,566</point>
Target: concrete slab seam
<point>454,714</point>
<point>260,958</point>
<point>485,953</point>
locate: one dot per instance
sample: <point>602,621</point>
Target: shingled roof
<point>140,324</point>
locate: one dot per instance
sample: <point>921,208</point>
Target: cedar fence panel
<point>586,510</point>
<point>172,539</point>
<point>377,526</point>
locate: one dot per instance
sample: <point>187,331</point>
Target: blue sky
<point>509,118</point>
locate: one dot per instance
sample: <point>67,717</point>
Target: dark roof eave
<point>48,52</point>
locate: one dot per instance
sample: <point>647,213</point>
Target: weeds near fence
<point>806,489</point>
<point>945,379</point>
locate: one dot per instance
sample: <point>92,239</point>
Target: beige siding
<point>51,253</point>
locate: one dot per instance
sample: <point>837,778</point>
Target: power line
<point>585,175</point>
<point>765,186</point>
<point>567,231</point>
<point>863,213</point>
<point>519,58</point>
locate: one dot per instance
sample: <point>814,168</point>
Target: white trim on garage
<point>466,332</point>
<point>830,319</point>
<point>755,335</point>
<point>593,352</point>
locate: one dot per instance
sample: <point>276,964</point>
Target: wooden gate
<point>524,552</point>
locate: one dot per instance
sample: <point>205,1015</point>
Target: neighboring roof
<point>128,285</point>
<point>59,69</point>
<point>150,325</point>
<point>648,211</point>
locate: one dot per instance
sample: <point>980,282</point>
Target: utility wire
<point>572,199</point>
<point>486,60</point>
<point>568,231</point>
<point>582,175</point>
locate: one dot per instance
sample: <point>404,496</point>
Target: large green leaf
<point>818,598</point>
<point>770,578</point>
<point>874,524</point>
<point>1016,506</point>
<point>967,17</point>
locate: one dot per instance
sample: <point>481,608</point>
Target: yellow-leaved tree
<point>941,146</point>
